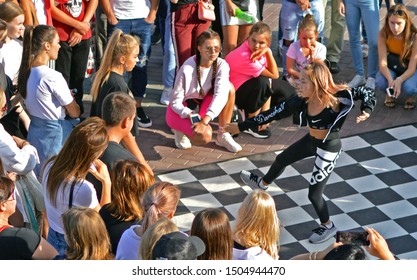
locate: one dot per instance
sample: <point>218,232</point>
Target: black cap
<point>178,246</point>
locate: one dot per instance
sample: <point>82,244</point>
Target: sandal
<point>390,103</point>
<point>409,105</point>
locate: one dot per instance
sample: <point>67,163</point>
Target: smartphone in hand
<point>358,237</point>
<point>195,118</point>
<point>390,91</point>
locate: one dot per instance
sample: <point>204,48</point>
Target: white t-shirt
<point>84,195</point>
<point>129,243</point>
<point>294,52</point>
<point>47,94</point>
<point>253,253</point>
<point>130,9</point>
<point>10,58</point>
<point>40,11</point>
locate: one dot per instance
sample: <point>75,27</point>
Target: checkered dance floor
<point>374,184</point>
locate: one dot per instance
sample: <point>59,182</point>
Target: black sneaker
<point>143,119</point>
<point>333,66</point>
<point>262,134</point>
<point>156,37</point>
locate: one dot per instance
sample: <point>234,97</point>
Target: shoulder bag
<point>206,10</point>
<point>243,5</point>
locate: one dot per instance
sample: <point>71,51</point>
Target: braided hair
<point>204,36</point>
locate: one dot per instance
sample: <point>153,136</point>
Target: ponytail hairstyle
<point>308,23</point>
<point>34,41</point>
<point>204,36</point>
<point>3,30</point>
<point>9,10</point>
<point>324,86</point>
<point>119,44</point>
<point>410,29</point>
<point>160,200</point>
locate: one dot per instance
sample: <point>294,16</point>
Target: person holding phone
<point>202,87</point>
<point>377,247</point>
<point>397,48</point>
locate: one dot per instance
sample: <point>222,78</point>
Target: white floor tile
<point>179,177</point>
<point>398,209</point>
<point>366,183</point>
<point>352,203</point>
<point>379,165</point>
<point>236,165</point>
<point>392,148</point>
<point>403,132</point>
<point>220,183</point>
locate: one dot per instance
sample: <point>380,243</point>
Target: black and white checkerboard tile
<point>374,184</point>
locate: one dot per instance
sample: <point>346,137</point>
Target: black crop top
<point>324,120</point>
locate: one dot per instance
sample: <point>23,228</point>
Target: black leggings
<point>325,154</point>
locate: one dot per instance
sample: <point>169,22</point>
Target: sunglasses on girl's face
<point>396,12</point>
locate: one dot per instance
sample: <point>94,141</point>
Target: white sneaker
<point>252,180</point>
<point>181,140</point>
<point>226,140</point>
<point>365,49</point>
<point>370,83</point>
<point>165,98</point>
<point>358,80</point>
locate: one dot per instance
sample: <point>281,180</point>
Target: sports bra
<point>322,121</point>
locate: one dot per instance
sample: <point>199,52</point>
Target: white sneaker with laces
<point>322,233</point>
<point>181,140</point>
<point>165,98</point>
<point>252,180</point>
<point>370,83</point>
<point>358,80</point>
<point>226,140</point>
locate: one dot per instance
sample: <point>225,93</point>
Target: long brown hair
<point>118,45</point>
<point>129,181</point>
<point>85,144</point>
<point>213,227</point>
<point>324,86</point>
<point>410,29</point>
<point>34,40</point>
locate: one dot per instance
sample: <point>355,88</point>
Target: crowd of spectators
<point>73,187</point>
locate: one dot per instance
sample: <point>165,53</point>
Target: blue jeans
<point>169,64</point>
<point>47,137</point>
<point>291,15</point>
<point>57,240</point>
<point>368,11</point>
<point>138,27</point>
<point>408,87</point>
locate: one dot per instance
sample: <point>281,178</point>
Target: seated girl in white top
<point>202,80</point>
<point>302,52</point>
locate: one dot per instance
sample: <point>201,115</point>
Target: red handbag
<point>206,10</point>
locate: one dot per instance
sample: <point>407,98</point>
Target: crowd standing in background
<point>77,188</point>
